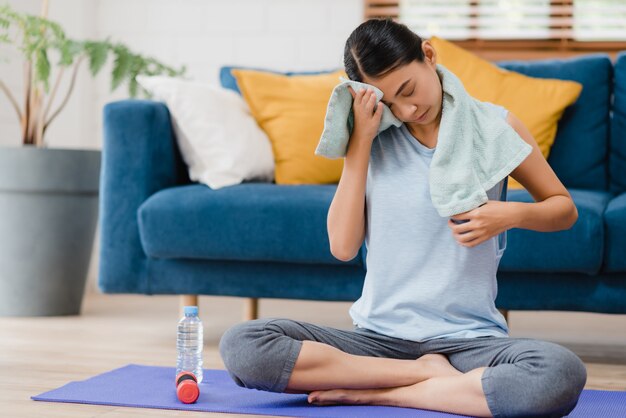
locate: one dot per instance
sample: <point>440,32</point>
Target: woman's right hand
<point>367,114</point>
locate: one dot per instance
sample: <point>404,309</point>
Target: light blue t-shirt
<point>421,283</point>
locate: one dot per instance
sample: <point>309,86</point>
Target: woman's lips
<point>421,117</point>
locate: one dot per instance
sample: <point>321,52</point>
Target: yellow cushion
<point>538,102</point>
<point>291,111</point>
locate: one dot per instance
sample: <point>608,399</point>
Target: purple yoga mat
<point>153,387</point>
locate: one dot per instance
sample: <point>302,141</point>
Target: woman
<point>427,333</point>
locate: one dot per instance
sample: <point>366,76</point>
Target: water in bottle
<point>190,343</point>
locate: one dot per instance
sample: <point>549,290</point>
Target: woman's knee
<point>251,354</point>
<point>237,346</point>
<point>569,374</point>
<point>560,379</point>
<point>549,376</point>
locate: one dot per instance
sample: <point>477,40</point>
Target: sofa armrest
<point>139,157</point>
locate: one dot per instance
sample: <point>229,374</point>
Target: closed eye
<point>404,95</point>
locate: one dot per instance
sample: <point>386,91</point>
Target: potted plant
<point>49,196</point>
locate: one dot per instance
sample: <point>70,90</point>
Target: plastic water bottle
<point>189,343</point>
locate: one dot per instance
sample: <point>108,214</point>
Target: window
<point>526,24</point>
<point>599,20</point>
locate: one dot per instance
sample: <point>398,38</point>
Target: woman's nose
<point>411,112</point>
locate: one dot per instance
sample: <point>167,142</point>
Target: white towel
<point>339,120</point>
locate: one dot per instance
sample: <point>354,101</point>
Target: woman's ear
<point>430,54</point>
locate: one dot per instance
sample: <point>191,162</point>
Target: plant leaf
<point>121,66</point>
<point>69,49</point>
<point>42,67</point>
<point>132,87</point>
<point>98,52</point>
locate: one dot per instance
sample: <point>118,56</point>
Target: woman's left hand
<point>482,223</point>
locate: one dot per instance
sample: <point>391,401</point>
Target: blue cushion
<point>579,154</point>
<point>228,81</point>
<point>618,127</point>
<point>248,221</point>
<point>578,249</point>
<point>615,222</point>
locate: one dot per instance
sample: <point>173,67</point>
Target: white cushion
<point>219,140</point>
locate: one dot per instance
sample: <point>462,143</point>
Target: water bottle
<point>189,343</point>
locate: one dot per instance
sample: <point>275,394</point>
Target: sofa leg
<point>187,300</point>
<point>250,309</point>
<point>505,313</point>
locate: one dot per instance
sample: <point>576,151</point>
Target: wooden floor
<point>39,354</point>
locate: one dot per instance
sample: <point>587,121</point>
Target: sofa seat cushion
<point>246,222</point>
<point>578,249</point>
<point>615,223</point>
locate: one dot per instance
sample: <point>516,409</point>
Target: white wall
<point>207,34</point>
<point>202,34</point>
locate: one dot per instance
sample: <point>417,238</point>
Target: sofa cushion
<point>578,249</point>
<point>618,127</point>
<point>579,154</point>
<point>291,110</point>
<point>248,222</point>
<point>615,242</point>
<point>217,136</point>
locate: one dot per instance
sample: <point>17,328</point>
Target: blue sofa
<point>162,234</point>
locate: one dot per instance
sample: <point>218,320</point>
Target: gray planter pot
<point>48,217</point>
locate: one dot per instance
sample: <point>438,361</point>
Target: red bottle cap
<point>187,391</point>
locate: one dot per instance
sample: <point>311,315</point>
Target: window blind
<point>599,20</point>
<point>564,21</point>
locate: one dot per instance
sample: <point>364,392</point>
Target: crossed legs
<point>479,376</point>
<point>426,383</point>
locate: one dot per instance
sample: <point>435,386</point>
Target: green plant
<point>37,37</point>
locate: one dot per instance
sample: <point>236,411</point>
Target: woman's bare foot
<point>461,394</point>
<point>347,396</point>
<point>436,364</point>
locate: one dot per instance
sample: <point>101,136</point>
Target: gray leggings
<point>524,377</point>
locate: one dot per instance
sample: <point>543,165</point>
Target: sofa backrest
<point>617,162</point>
<point>579,156</point>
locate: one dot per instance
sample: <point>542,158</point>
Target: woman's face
<point>413,90</point>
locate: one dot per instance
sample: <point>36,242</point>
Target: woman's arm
<point>346,215</point>
<point>553,209</point>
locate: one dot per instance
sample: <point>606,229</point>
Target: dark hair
<point>378,46</point>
